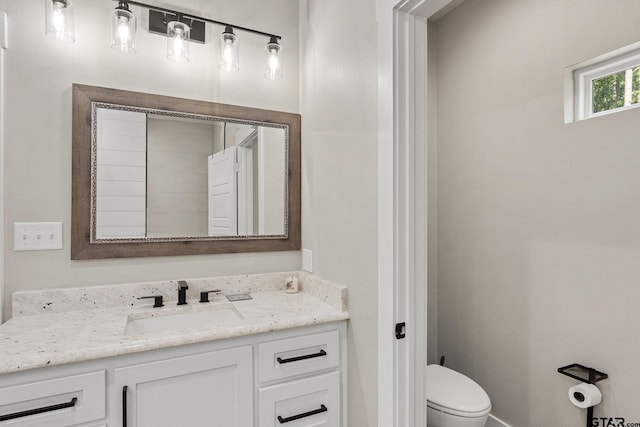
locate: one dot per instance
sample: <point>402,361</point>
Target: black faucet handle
<point>157,300</point>
<point>204,295</point>
<point>182,292</point>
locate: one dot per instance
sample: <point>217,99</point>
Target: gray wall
<point>39,74</point>
<point>273,179</point>
<point>339,167</point>
<point>538,236</point>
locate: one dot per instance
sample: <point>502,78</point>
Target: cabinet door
<point>204,390</point>
<point>312,402</point>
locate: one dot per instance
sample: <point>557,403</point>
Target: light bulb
<point>228,56</point>
<point>178,46</point>
<point>59,20</point>
<point>58,23</point>
<point>274,64</point>
<point>123,33</point>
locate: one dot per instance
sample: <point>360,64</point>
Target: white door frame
<point>245,184</point>
<point>261,181</point>
<point>3,47</point>
<point>402,217</point>
<point>245,191</point>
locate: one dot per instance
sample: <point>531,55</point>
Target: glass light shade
<point>178,42</point>
<point>123,30</point>
<point>59,20</point>
<point>274,68</point>
<point>229,50</point>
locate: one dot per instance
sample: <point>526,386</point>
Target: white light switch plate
<point>37,236</point>
<point>307,260</point>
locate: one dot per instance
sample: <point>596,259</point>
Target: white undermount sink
<point>192,318</point>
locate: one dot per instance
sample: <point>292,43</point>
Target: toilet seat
<point>451,392</point>
<point>457,413</point>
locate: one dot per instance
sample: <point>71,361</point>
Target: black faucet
<point>204,295</point>
<point>157,300</point>
<point>182,292</point>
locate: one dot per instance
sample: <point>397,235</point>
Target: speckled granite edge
<point>31,303</point>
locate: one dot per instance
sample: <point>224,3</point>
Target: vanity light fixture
<point>229,50</point>
<point>183,28</point>
<point>274,70</point>
<point>59,20</point>
<point>123,29</point>
<point>178,42</point>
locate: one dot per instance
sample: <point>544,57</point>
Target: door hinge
<point>401,330</point>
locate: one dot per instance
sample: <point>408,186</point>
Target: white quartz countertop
<point>51,337</point>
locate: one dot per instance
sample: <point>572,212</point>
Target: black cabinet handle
<point>124,406</point>
<point>42,410</point>
<point>306,414</point>
<point>306,356</point>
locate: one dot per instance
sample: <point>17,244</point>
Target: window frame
<point>585,74</point>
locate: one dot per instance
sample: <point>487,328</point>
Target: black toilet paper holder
<point>582,373</point>
<point>586,375</point>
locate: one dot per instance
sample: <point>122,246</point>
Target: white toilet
<point>454,400</point>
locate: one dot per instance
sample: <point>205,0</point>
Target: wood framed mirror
<point>155,175</point>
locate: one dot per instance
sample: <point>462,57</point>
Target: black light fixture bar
<point>187,19</point>
<point>158,21</point>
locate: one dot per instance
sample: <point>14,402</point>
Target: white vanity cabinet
<point>287,378</point>
<point>213,388</point>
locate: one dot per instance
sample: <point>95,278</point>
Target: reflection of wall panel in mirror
<point>121,160</point>
<point>150,193</point>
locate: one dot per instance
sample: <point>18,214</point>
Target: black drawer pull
<point>124,405</point>
<point>29,412</point>
<point>306,414</point>
<point>306,356</point>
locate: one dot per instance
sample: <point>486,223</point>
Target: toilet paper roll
<point>585,395</point>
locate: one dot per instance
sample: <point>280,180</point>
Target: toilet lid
<point>450,391</point>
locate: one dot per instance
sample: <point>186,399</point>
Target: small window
<point>605,85</point>
<point>616,90</point>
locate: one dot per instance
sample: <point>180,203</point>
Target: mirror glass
<point>165,175</point>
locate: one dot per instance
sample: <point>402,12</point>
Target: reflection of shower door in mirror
<point>223,180</point>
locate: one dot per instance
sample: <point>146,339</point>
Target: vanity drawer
<point>313,401</point>
<point>58,402</point>
<point>299,355</point>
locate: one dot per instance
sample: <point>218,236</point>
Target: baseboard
<point>494,421</point>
